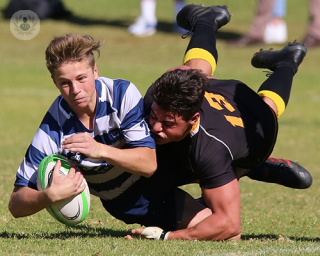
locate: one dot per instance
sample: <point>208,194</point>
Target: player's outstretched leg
<point>284,63</point>
<point>203,22</point>
<point>283,172</point>
<point>215,16</point>
<point>292,55</point>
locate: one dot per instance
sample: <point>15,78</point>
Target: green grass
<point>275,220</point>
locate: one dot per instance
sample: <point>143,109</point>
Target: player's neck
<point>87,118</point>
<point>87,121</point>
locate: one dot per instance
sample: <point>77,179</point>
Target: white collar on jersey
<point>195,128</point>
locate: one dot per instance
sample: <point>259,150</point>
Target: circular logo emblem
<point>24,25</point>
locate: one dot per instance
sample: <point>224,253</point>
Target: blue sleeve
<point>21,181</point>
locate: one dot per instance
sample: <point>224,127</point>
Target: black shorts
<point>261,150</point>
<point>135,206</point>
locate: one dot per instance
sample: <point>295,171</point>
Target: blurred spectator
<point>312,37</point>
<point>269,27</point>
<point>146,23</point>
<point>43,8</point>
<point>261,25</point>
<point>276,29</point>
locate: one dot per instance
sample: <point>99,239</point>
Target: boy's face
<point>168,127</point>
<point>76,82</point>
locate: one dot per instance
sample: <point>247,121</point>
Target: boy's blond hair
<point>71,48</point>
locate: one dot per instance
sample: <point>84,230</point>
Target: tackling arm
<point>223,223</point>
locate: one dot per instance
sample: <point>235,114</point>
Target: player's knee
<point>271,104</point>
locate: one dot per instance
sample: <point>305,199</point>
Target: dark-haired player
<point>208,129</point>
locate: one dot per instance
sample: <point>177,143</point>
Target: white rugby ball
<point>70,211</point>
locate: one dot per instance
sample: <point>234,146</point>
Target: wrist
<point>102,152</point>
<point>50,195</point>
<point>164,235</point>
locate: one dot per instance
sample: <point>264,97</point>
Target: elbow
<point>151,167</point>
<point>151,170</point>
<point>232,230</point>
<point>13,210</point>
<point>148,175</point>
<point>235,233</point>
<point>149,163</point>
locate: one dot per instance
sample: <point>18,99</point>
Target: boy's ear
<point>195,118</point>
<point>95,71</point>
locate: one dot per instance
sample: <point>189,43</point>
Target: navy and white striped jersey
<point>118,122</point>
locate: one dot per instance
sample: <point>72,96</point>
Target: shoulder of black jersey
<point>214,81</point>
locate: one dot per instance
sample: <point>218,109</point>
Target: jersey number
<point>219,102</point>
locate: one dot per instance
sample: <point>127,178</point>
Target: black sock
<point>202,45</point>
<point>278,87</point>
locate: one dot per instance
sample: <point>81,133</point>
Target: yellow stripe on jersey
<point>198,53</point>
<point>276,99</point>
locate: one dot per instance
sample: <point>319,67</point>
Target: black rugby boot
<point>214,16</point>
<point>291,55</point>
<point>283,172</point>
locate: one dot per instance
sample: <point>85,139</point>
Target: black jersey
<point>237,129</point>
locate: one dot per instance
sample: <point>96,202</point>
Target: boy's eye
<point>168,125</point>
<point>63,84</point>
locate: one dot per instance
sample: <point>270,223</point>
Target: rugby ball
<point>70,211</point>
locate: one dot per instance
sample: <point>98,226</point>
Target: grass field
<point>275,220</point>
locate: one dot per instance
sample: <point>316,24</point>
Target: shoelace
<point>184,36</point>
<point>192,21</point>
<point>268,73</point>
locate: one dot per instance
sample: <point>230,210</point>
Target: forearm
<point>26,201</point>
<point>212,228</point>
<point>224,222</point>
<point>140,161</point>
